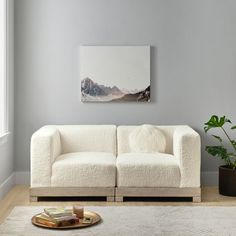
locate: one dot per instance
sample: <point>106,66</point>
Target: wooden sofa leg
<point>110,198</point>
<point>196,198</point>
<point>119,198</point>
<point>33,198</point>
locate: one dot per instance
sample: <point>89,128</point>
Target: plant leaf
<point>218,151</point>
<point>223,120</point>
<point>206,128</point>
<point>217,137</point>
<point>231,155</point>
<point>215,122</point>
<point>233,127</point>
<point>233,143</point>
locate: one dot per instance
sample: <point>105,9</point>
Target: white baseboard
<point>7,185</point>
<point>22,177</point>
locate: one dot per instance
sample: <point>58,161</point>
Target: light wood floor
<point>19,196</point>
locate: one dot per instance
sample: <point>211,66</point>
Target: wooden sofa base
<point>114,194</point>
<point>121,192</point>
<point>108,192</point>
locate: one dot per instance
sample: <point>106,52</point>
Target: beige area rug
<point>134,220</point>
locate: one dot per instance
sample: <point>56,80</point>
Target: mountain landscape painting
<point>115,73</point>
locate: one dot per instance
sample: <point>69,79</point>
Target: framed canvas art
<point>115,73</point>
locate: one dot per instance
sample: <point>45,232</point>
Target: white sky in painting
<point>122,66</point>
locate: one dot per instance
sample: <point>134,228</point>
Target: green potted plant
<point>227,152</point>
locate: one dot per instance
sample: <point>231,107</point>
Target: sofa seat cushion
<point>84,169</point>
<point>147,170</point>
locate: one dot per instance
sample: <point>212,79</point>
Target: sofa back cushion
<point>124,133</point>
<point>88,138</point>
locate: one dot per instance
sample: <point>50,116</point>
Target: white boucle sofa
<point>97,160</point>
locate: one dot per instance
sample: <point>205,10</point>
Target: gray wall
<point>193,60</point>
<point>6,143</point>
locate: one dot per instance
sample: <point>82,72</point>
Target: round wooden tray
<point>87,214</point>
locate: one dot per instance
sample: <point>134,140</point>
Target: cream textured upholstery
<point>182,142</point>
<point>147,170</point>
<point>84,169</point>
<point>187,149</point>
<point>155,140</point>
<point>49,142</point>
<point>123,134</point>
<point>88,138</point>
<point>101,156</point>
<point>45,147</point>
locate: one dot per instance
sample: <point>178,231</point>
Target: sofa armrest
<point>45,147</point>
<point>187,148</point>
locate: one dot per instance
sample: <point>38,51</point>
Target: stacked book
<point>57,217</point>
